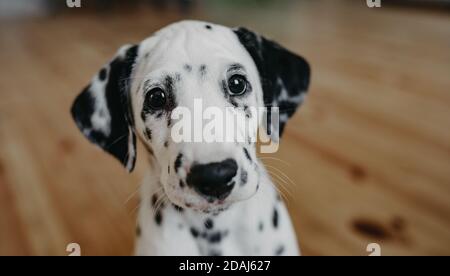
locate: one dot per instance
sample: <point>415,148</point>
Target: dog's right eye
<point>156,99</point>
<point>237,85</point>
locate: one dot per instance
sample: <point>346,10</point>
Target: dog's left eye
<point>237,85</point>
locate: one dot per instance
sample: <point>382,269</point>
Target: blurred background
<point>366,159</point>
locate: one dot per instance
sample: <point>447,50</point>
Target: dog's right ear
<point>103,110</point>
<point>284,76</point>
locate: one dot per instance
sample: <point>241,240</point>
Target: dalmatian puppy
<point>197,198</point>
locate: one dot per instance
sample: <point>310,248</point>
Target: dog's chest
<point>259,226</point>
<point>232,232</point>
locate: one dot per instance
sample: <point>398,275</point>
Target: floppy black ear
<point>284,76</point>
<point>103,111</point>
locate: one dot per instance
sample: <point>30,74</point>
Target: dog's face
<point>139,93</point>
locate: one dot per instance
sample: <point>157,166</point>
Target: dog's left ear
<point>284,76</point>
<point>103,110</point>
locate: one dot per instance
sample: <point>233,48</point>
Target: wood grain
<point>367,158</point>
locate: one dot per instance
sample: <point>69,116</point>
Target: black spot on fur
<point>223,209</point>
<point>102,74</point>
<point>247,154</point>
<point>194,232</point>
<point>182,184</point>
<point>247,111</point>
<point>169,83</point>
<point>144,115</point>
<point>148,134</point>
<point>215,253</point>
<point>209,224</point>
<point>275,218</point>
<point>158,217</point>
<point>177,208</point>
<point>279,250</point>
<point>208,27</point>
<point>177,77</point>
<point>188,68</point>
<point>203,70</point>
<point>166,144</point>
<point>178,162</point>
<point>154,200</point>
<point>235,67</point>
<point>244,177</point>
<point>168,169</point>
<point>224,86</point>
<point>215,237</point>
<point>261,226</point>
<point>215,213</point>
<point>146,84</point>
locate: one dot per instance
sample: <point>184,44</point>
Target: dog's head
<point>137,93</point>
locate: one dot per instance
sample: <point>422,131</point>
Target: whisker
<point>282,173</point>
<point>159,203</point>
<point>135,208</point>
<point>116,141</point>
<point>284,184</point>
<point>280,185</point>
<point>277,159</point>
<point>281,192</point>
<point>133,193</point>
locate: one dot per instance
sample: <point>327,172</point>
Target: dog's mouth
<point>200,204</point>
<point>216,207</point>
<point>190,199</point>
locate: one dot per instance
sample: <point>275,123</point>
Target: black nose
<point>213,179</point>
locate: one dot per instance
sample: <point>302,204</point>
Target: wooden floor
<point>367,159</point>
